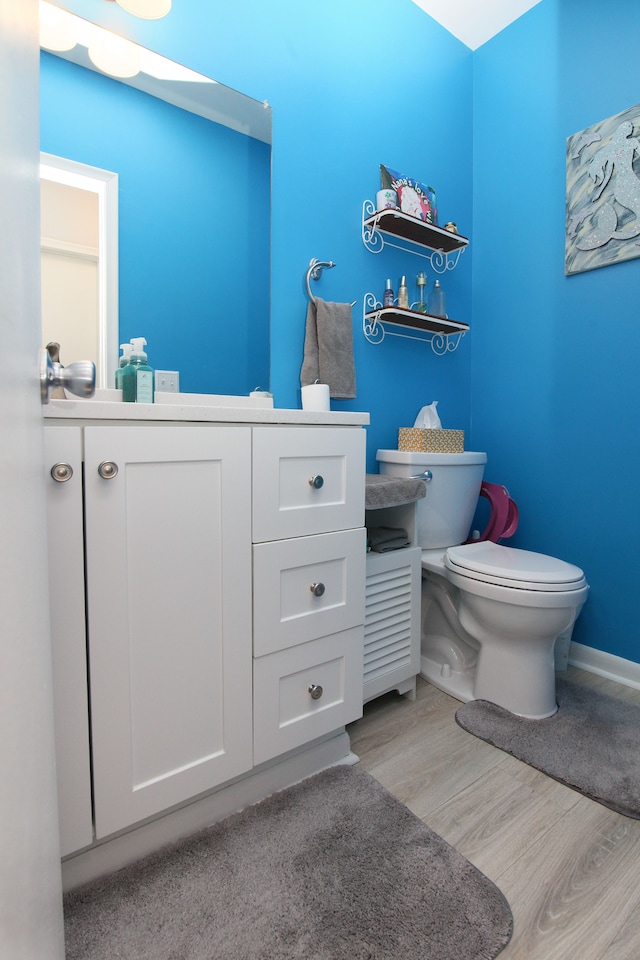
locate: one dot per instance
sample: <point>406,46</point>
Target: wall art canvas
<point>603,193</point>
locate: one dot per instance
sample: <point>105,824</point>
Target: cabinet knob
<point>108,469</point>
<point>317,589</point>
<point>315,691</point>
<point>61,472</point>
<point>316,482</point>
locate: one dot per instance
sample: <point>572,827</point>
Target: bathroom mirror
<point>192,160</point>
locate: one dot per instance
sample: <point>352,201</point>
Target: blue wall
<point>554,378</point>
<point>193,256</point>
<point>544,382</point>
<point>351,86</point>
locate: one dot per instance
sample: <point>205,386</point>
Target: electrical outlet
<point>167,381</point>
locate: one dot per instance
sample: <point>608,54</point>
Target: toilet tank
<point>445,514</point>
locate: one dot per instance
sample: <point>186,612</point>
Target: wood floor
<point>569,867</point>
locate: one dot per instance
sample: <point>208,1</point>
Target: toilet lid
<point>509,567</point>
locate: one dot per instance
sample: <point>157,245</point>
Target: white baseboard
<point>606,665</point>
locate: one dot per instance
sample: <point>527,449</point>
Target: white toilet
<point>491,614</point>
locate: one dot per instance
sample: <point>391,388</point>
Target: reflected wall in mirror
<point>79,262</point>
<point>193,221</point>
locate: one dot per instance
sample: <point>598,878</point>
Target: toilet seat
<point>509,567</point>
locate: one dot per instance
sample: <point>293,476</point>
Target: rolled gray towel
<point>382,491</point>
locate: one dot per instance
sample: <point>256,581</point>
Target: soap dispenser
<point>137,376</point>
<point>437,306</point>
<point>124,360</point>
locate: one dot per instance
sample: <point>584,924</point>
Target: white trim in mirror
<point>104,183</point>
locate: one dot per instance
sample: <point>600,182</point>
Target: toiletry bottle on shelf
<point>124,360</point>
<point>388,295</point>
<point>137,376</point>
<point>421,281</point>
<point>437,306</point>
<point>403,294</point>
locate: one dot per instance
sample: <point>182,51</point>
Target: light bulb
<point>147,9</point>
<point>57,28</point>
<point>113,54</point>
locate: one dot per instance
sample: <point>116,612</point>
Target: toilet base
<point>470,659</point>
<point>458,685</point>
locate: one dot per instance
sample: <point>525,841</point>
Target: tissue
<point>428,417</point>
<point>427,434</point>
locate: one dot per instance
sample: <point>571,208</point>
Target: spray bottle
<point>137,376</point>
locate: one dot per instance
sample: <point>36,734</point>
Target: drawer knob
<point>316,482</point>
<point>61,472</point>
<point>315,691</point>
<point>108,469</point>
<point>317,589</point>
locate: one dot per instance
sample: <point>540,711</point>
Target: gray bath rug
<point>592,744</point>
<point>334,868</point>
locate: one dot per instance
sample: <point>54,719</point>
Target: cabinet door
<point>307,480</point>
<point>169,611</point>
<point>63,447</point>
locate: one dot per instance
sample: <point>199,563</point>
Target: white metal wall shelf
<point>443,334</point>
<point>437,245</point>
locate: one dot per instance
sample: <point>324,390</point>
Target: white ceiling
<point>475,21</point>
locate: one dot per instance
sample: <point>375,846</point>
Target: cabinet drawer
<point>307,480</point>
<point>286,714</point>
<point>307,588</point>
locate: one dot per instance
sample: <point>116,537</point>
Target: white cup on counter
<point>316,397</point>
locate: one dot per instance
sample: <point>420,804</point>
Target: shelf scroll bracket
<point>371,327</point>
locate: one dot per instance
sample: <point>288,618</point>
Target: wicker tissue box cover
<point>433,441</point>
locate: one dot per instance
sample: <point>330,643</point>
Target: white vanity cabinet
<point>207,618</point>
<point>168,598</point>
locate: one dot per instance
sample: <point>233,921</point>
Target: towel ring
<point>314,272</point>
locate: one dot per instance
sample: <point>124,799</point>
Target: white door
<point>168,557</point>
<point>30,898</point>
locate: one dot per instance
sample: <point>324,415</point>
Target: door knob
<point>61,472</point>
<point>108,469</point>
<point>317,589</point>
<point>316,482</point>
<point>315,691</point>
<point>78,378</point>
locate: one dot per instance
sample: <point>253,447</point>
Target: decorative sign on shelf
<point>603,193</point>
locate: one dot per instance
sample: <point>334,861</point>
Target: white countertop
<point>195,408</point>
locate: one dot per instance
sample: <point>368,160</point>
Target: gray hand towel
<point>384,539</point>
<point>328,349</point>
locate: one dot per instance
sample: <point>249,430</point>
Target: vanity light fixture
<point>61,31</point>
